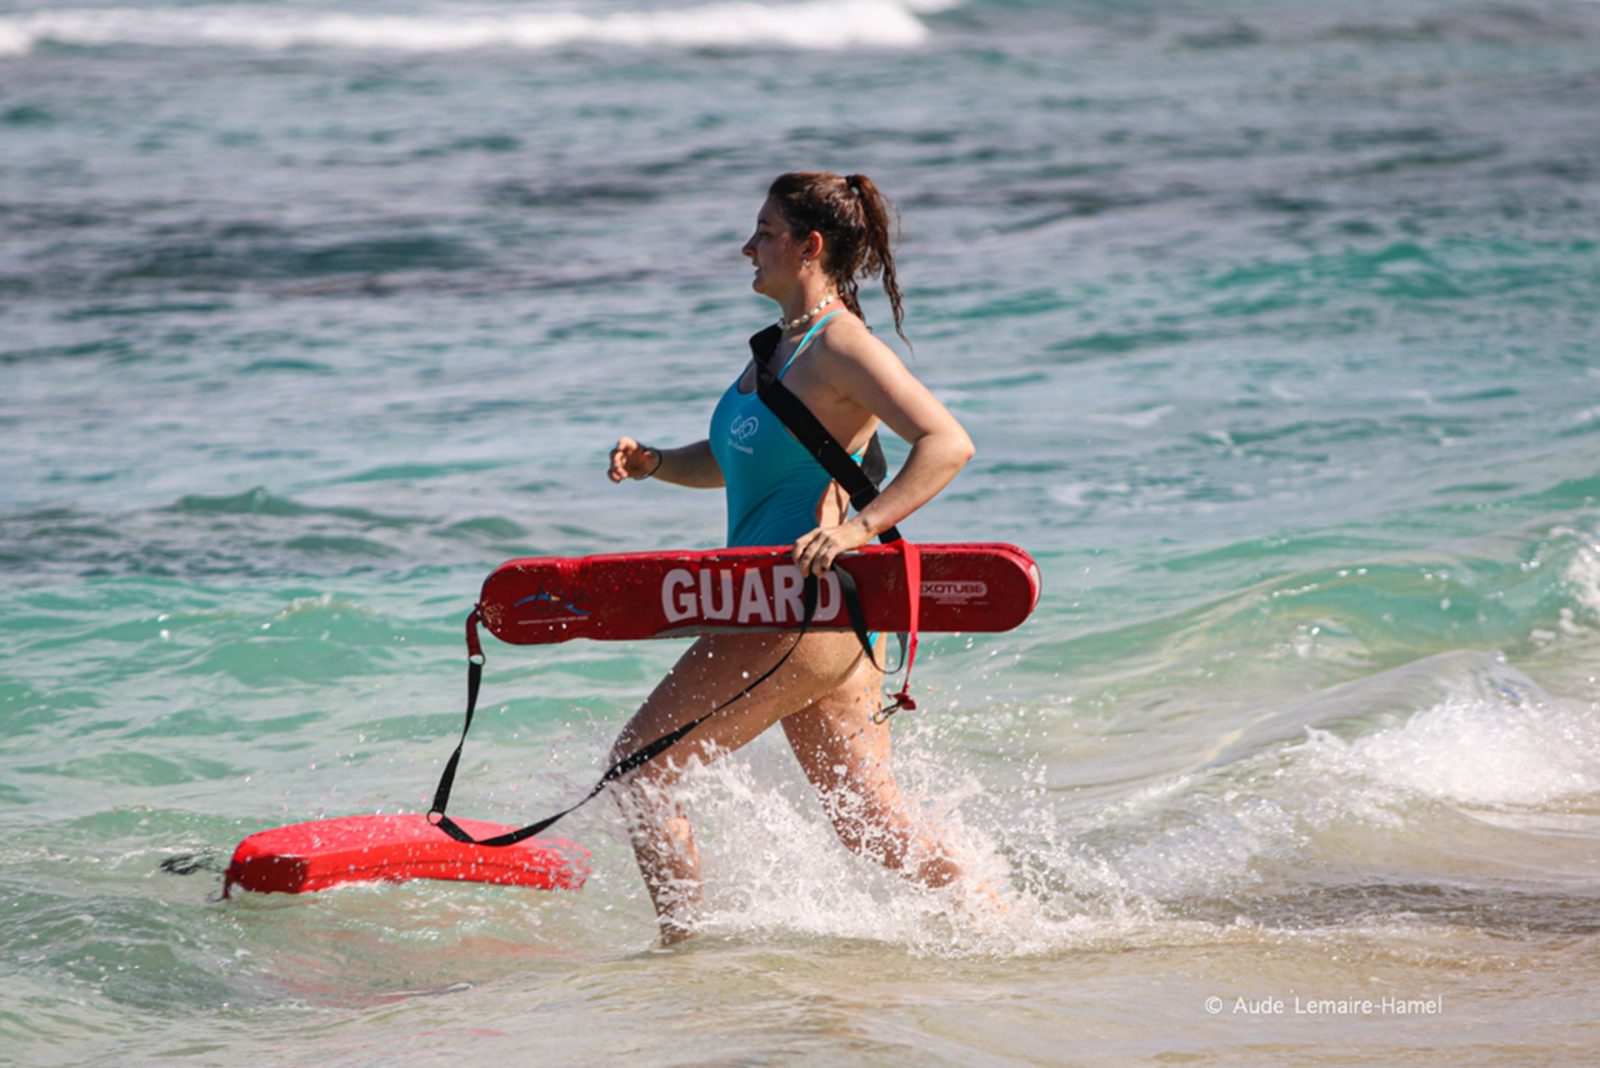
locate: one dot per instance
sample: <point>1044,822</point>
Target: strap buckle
<point>901,700</point>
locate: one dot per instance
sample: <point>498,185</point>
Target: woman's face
<point>773,252</point>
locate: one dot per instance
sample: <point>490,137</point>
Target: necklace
<point>799,321</point>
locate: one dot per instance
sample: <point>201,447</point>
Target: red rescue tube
<point>303,857</point>
<point>626,596</point>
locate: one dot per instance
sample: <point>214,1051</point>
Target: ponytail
<point>857,223</point>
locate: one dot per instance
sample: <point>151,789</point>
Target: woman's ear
<point>811,247</point>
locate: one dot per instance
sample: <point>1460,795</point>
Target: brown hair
<point>855,220</point>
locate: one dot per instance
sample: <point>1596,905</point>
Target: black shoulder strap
<point>859,480</point>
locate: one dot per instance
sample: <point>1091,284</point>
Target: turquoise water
<point>1274,325</point>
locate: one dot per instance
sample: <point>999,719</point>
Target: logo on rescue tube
<point>950,590</point>
<point>744,596</point>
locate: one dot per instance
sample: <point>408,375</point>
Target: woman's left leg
<point>846,756</point>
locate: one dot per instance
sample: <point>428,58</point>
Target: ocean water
<point>1275,325</point>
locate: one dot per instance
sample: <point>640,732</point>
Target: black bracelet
<point>657,467</point>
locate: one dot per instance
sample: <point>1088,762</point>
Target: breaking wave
<point>826,25</point>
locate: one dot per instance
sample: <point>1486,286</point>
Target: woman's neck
<point>806,303</point>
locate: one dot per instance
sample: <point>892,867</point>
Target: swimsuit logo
<point>744,428</point>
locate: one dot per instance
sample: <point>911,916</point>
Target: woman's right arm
<point>687,465</point>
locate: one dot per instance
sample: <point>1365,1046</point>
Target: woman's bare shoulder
<point>849,342</point>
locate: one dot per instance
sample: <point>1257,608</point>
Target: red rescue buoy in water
<point>303,857</point>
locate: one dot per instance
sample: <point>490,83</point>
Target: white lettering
<point>950,590</point>
<point>1333,1006</point>
<point>1389,1005</point>
<point>829,599</point>
<point>786,582</point>
<point>1244,1006</point>
<point>709,594</point>
<point>709,607</point>
<point>753,602</point>
<point>677,595</point>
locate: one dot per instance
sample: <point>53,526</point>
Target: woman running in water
<point>815,237</point>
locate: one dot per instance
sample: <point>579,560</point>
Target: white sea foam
<point>1582,576</point>
<point>817,24</point>
<point>1473,751</point>
<point>14,40</point>
<point>1493,742</point>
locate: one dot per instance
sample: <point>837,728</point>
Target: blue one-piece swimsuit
<point>773,483</point>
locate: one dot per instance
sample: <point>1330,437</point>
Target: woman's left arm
<point>868,372</point>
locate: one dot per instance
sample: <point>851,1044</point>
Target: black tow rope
<point>475,659</point>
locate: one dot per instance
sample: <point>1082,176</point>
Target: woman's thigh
<point>836,741</point>
<point>718,666</point>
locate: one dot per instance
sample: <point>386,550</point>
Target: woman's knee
<point>886,846</point>
<point>648,811</point>
<point>866,828</point>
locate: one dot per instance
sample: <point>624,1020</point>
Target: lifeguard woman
<point>816,236</point>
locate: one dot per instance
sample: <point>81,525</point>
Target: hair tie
<point>854,182</point>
